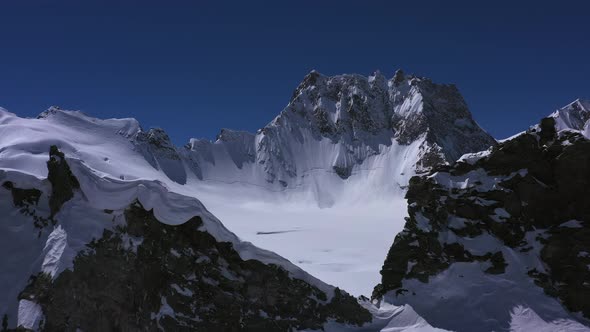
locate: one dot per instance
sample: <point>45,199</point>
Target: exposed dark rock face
<point>537,183</point>
<point>23,197</point>
<point>398,77</point>
<point>157,139</point>
<point>372,107</point>
<point>26,200</point>
<point>157,148</point>
<point>343,172</point>
<point>63,182</point>
<point>146,275</point>
<point>446,121</point>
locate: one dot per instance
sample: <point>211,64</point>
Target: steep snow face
<point>573,116</point>
<point>368,130</point>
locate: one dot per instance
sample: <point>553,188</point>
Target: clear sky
<point>194,67</point>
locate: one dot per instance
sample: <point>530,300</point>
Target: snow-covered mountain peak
<point>51,111</point>
<point>126,127</point>
<point>371,111</point>
<point>574,116</point>
<point>357,108</point>
<point>346,127</point>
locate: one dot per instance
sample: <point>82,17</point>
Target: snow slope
<point>574,116</point>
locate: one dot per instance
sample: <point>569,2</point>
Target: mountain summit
<point>346,125</point>
<point>574,115</point>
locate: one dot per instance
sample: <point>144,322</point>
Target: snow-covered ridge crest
<point>574,116</point>
<point>127,127</point>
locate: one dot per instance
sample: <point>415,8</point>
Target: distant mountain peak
<point>359,107</point>
<point>398,77</point>
<point>49,111</point>
<point>341,125</point>
<point>574,115</point>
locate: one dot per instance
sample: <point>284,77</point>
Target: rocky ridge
<point>509,222</point>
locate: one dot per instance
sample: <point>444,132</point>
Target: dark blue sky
<point>193,67</point>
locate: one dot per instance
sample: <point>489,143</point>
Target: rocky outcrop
<point>63,182</point>
<point>145,275</point>
<point>26,200</point>
<point>513,217</point>
<point>158,150</point>
<point>63,185</point>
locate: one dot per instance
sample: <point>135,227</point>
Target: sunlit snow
<point>344,245</point>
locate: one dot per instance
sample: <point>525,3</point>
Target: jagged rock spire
<point>398,77</point>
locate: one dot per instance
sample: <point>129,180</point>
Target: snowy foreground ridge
<point>323,185</point>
